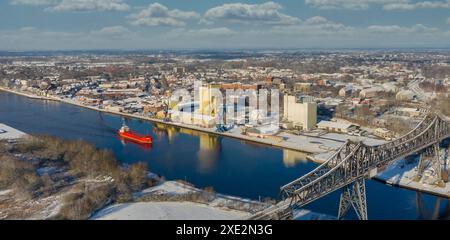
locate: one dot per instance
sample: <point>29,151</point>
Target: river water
<point>228,165</point>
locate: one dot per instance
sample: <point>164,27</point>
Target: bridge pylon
<point>354,195</point>
<point>432,155</point>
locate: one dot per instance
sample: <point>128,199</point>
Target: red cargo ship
<point>126,133</point>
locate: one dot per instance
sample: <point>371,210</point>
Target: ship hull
<point>135,138</point>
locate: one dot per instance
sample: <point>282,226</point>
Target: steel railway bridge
<point>348,168</point>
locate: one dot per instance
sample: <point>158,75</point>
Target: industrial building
<point>302,113</point>
<point>208,99</point>
<point>339,127</point>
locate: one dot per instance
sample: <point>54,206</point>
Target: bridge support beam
<point>432,154</point>
<point>354,195</point>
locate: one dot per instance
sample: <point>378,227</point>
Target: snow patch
<point>5,192</point>
<point>166,211</point>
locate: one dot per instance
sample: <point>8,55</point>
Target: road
<point>421,94</point>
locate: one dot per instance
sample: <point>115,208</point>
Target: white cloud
<point>157,14</point>
<point>25,29</point>
<point>90,6</point>
<point>316,20</point>
<point>399,6</point>
<point>395,29</point>
<point>316,32</point>
<point>386,29</point>
<point>404,5</point>
<point>113,31</point>
<point>268,13</point>
<point>448,20</point>
<point>32,2</point>
<point>323,24</point>
<point>350,4</point>
<point>314,26</point>
<point>418,5</point>
<point>203,32</point>
<point>30,38</point>
<point>220,31</point>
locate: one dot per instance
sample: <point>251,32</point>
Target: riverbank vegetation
<point>85,178</point>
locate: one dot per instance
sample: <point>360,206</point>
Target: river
<point>228,165</point>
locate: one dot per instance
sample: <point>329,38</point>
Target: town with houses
<point>375,98</point>
<point>225,110</point>
<point>325,98</point>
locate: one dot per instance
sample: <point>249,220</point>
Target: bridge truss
<point>348,168</point>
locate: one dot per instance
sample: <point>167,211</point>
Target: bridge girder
<point>351,164</point>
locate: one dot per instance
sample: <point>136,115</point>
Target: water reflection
<point>209,149</point>
<point>165,131</point>
<point>208,153</point>
<point>209,145</point>
<point>438,210</point>
<point>291,158</point>
<point>144,146</point>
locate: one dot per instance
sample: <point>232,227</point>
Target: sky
<point>218,24</point>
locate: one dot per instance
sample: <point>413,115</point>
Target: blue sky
<point>143,24</point>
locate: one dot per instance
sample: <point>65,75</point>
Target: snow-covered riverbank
<point>402,174</point>
<point>8,133</point>
<point>218,207</point>
<point>167,211</point>
<point>174,200</point>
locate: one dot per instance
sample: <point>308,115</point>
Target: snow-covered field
<point>12,207</point>
<point>7,132</point>
<point>216,209</point>
<point>167,211</point>
<point>219,208</point>
<point>4,192</point>
<point>169,187</point>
